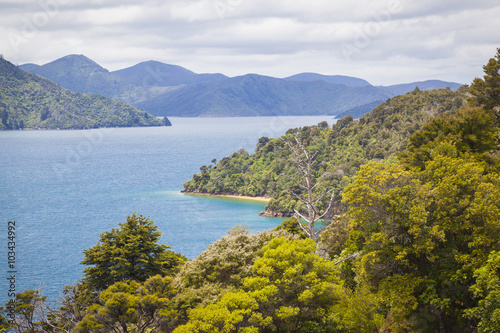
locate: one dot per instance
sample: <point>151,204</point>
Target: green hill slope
<point>30,101</point>
<point>342,149</point>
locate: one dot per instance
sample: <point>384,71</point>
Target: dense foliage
<point>425,232</point>
<point>29,101</point>
<point>341,149</point>
<point>290,290</point>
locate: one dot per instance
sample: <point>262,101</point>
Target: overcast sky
<point>382,41</point>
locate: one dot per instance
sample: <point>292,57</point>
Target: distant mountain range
<point>31,101</point>
<point>169,90</point>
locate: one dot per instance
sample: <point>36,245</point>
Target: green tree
<point>132,307</point>
<point>31,315</point>
<point>333,238</point>
<point>292,227</point>
<point>4,324</point>
<point>425,232</point>
<point>471,130</point>
<point>221,268</point>
<point>129,252</point>
<point>486,92</point>
<point>487,291</point>
<point>77,299</point>
<point>358,311</point>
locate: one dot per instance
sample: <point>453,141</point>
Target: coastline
<point>231,196</point>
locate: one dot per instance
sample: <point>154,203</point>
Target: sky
<point>382,41</point>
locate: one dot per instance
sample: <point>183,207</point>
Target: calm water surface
<point>64,188</point>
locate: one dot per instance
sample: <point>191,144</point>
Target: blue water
<point>64,188</point>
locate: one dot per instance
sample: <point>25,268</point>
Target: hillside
<point>30,101</point>
<point>342,148</point>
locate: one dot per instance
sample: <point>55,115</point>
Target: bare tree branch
<point>350,256</point>
<point>329,205</point>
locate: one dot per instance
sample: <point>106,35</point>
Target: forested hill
<point>30,101</point>
<point>342,148</point>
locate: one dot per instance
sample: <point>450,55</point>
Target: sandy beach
<point>242,197</point>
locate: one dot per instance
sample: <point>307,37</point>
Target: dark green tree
<point>486,92</point>
<point>471,130</point>
<point>129,252</point>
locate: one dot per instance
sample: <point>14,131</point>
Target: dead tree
<point>314,190</point>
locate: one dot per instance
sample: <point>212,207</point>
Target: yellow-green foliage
<point>291,290</point>
<point>487,291</point>
<point>221,268</point>
<point>132,307</point>
<point>425,231</point>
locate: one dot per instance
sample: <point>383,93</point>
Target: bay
<point>64,188</point>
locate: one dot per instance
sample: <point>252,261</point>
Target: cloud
<point>383,41</point>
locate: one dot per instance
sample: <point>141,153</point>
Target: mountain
<point>30,101</point>
<point>157,74</point>
<point>81,74</point>
<point>29,67</point>
<point>333,79</point>
<point>400,89</point>
<point>257,95</point>
<point>169,90</point>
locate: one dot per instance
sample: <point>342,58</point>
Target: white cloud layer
<point>382,41</point>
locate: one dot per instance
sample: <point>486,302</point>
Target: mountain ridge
<point>171,90</point>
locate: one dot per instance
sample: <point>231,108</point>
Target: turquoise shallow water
<point>64,188</point>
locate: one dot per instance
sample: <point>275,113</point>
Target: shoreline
<point>231,196</point>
